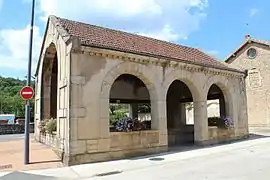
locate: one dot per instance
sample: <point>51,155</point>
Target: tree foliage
<point>118,111</point>
<point>10,100</point>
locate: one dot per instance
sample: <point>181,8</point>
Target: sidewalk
<point>114,167</point>
<point>12,156</point>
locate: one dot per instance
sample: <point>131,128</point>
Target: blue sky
<point>216,26</point>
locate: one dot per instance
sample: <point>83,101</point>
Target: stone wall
<point>217,135</point>
<point>257,83</point>
<point>14,129</point>
<point>133,140</point>
<point>120,145</point>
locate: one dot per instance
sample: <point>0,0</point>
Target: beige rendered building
<point>254,55</point>
<point>83,68</point>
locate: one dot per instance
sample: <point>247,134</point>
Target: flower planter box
<point>134,140</point>
<point>220,134</point>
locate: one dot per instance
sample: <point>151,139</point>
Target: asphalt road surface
<point>245,160</point>
<point>249,162</point>
<point>11,137</point>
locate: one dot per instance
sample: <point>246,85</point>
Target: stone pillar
<point>53,96</point>
<point>176,114</point>
<point>183,115</point>
<point>46,102</point>
<point>37,111</point>
<point>179,115</point>
<point>159,121</point>
<point>104,120</point>
<point>222,109</point>
<point>200,123</point>
<point>244,111</point>
<point>235,112</point>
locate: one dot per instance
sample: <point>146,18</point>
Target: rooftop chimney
<point>247,36</point>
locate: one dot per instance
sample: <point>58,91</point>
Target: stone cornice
<point>60,29</point>
<point>114,55</point>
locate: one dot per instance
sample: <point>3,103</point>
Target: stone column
<point>159,121</point>
<point>54,96</point>
<point>200,123</point>
<point>37,113</point>
<point>235,112</point>
<point>104,119</point>
<point>177,114</point>
<point>183,115</point>
<point>46,102</point>
<point>222,107</point>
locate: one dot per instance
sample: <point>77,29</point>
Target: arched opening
<point>130,107</point>
<point>180,116</point>
<point>49,86</point>
<point>216,108</point>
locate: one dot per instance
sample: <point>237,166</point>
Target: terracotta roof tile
<point>96,36</point>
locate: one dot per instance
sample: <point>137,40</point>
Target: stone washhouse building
<point>83,68</point>
<point>254,55</point>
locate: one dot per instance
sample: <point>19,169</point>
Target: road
<point>248,162</point>
<point>245,160</point>
<point>11,137</point>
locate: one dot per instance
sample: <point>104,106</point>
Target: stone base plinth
<point>119,145</point>
<point>211,142</point>
<point>112,155</point>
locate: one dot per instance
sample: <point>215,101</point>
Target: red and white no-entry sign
<point>27,92</point>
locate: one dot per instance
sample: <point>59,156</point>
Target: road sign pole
<point>28,83</point>
<point>26,131</point>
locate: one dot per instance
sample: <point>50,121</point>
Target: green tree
<point>10,100</point>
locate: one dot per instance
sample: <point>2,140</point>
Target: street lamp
<point>28,83</point>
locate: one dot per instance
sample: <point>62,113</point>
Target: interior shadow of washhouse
<point>180,112</point>
<point>180,131</point>
<point>129,97</point>
<point>130,91</point>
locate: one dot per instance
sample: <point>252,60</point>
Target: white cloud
<point>168,20</point>
<point>253,12</point>
<point>166,33</point>
<point>212,52</point>
<point>14,47</point>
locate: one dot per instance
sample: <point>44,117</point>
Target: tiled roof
<point>96,36</point>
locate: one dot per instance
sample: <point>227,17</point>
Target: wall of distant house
<point>212,111</point>
<point>257,83</point>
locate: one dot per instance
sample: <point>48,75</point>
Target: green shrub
<point>51,126</point>
<point>117,115</point>
<point>144,108</point>
<point>42,126</point>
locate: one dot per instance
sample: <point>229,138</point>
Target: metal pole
<point>28,83</point>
